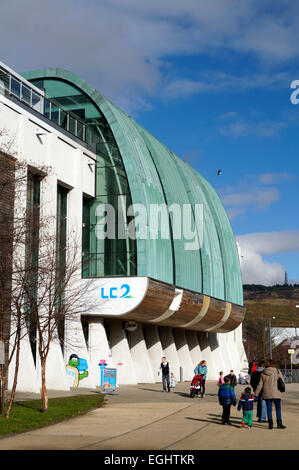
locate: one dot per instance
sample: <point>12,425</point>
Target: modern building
<point>153,294</point>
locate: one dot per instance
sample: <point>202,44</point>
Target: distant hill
<point>279,301</point>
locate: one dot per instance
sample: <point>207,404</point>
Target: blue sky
<point>210,79</point>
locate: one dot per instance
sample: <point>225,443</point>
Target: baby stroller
<point>196,383</point>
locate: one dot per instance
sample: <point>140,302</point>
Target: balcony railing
<point>10,85</point>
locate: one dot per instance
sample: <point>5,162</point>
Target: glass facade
<point>32,249</point>
<point>61,226</point>
<point>134,167</point>
<point>109,256</point>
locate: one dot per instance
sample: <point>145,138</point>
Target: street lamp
<point>297,306</point>
<point>270,338</point>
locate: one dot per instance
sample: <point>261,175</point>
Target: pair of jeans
<point>166,382</point>
<point>261,409</point>
<point>247,417</point>
<point>203,387</point>
<point>277,403</point>
<point>226,413</point>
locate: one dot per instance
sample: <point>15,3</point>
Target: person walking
<point>261,404</point>
<point>165,368</point>
<point>268,385</point>
<point>227,398</point>
<point>246,403</point>
<point>232,378</point>
<point>221,379</point>
<point>201,369</point>
<point>250,366</point>
<point>253,367</point>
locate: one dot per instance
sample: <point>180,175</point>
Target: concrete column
<point>229,353</point>
<point>218,354</point>
<point>206,355</point>
<point>238,336</point>
<point>140,357</point>
<point>183,353</point>
<point>194,348</point>
<point>154,349</point>
<point>98,348</point>
<point>169,350</point>
<point>121,354</point>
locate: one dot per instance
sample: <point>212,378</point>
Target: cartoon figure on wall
<point>76,370</point>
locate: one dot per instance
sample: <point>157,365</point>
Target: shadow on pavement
<point>215,421</point>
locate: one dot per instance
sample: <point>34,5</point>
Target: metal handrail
<point>13,86</point>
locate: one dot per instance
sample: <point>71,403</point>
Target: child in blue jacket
<point>246,403</point>
<point>227,397</point>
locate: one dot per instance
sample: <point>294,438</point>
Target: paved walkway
<point>142,417</point>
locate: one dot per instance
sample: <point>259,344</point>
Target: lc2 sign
<point>122,292</point>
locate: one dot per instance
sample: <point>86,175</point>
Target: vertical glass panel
<point>54,113</point>
<point>26,94</point>
<point>63,119</point>
<point>37,102</point>
<point>80,130</point>
<point>72,125</point>
<point>47,108</point>
<point>15,87</point>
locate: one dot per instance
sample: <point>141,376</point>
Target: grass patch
<point>28,414</point>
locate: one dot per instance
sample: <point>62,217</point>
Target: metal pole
<point>291,368</point>
<point>270,340</point>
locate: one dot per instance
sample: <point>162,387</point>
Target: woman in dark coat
<point>270,393</point>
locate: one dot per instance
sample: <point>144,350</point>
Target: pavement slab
<point>142,417</point>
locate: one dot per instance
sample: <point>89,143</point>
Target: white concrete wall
<point>207,355</point>
<point>140,356</point>
<point>154,348</point>
<point>98,348</point>
<point>169,350</point>
<point>194,348</point>
<point>183,353</point>
<point>121,354</point>
<point>218,355</point>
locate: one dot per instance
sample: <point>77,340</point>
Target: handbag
<point>280,384</point>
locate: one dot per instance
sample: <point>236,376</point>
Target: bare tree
<point>61,296</point>
<point>40,278</point>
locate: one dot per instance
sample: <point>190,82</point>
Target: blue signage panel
<point>108,379</point>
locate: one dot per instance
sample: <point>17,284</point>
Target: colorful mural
<point>76,370</point>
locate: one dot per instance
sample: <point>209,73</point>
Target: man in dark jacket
<point>232,378</point>
<point>261,404</point>
<point>227,397</point>
<point>165,368</point>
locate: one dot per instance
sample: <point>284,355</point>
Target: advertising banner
<point>108,379</point>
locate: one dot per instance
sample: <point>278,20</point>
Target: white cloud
<point>240,128</point>
<point>275,178</point>
<point>255,192</point>
<point>122,47</point>
<point>255,269</point>
<point>258,199</point>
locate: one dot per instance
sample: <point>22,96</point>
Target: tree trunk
<point>13,390</point>
<point>44,388</point>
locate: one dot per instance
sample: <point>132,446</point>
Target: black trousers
<point>203,387</point>
<point>226,413</point>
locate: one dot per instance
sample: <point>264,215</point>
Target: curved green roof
<point>157,176</point>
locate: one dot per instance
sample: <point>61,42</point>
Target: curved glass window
<point>114,255</point>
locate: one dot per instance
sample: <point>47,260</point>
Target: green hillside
<point>279,301</point>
